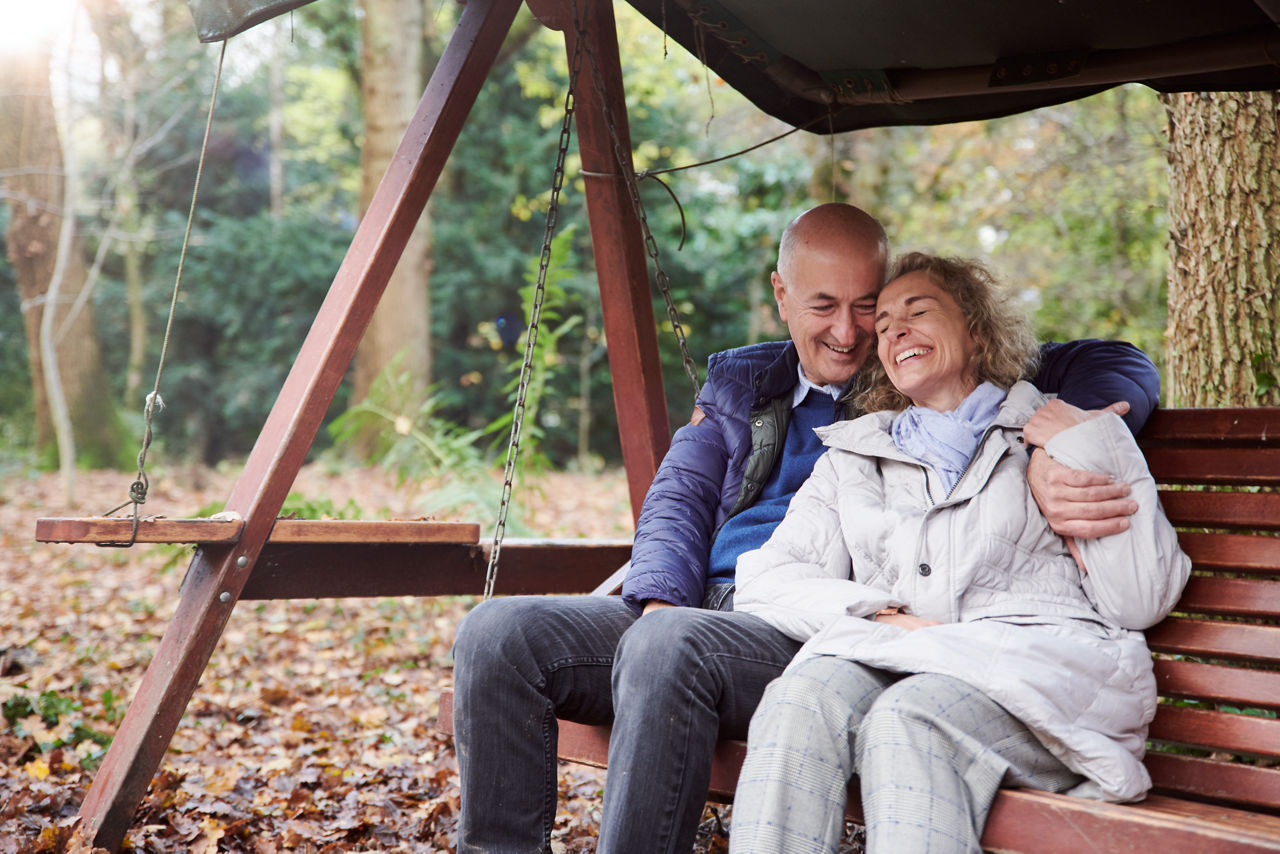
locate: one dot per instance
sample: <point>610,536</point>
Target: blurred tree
<point>1224,248</point>
<point>117,40</point>
<point>1067,203</point>
<point>64,355</point>
<point>391,80</point>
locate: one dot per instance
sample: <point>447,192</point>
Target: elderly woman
<point>953,642</point>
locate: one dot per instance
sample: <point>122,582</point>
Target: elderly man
<point>669,663</point>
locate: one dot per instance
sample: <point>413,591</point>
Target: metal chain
<point>661,279</point>
<point>531,338</point>
<point>141,484</point>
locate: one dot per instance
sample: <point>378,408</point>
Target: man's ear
<point>779,292</point>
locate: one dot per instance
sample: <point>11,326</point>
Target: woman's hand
<point>1075,503</point>
<point>1057,415</point>
<point>905,621</point>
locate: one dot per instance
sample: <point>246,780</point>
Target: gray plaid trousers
<point>931,752</point>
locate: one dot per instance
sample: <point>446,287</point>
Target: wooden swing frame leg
<point>218,573</point>
<point>618,243</point>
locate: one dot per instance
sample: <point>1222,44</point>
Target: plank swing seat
<point>1215,740</point>
<point>1221,651</point>
<point>321,559</point>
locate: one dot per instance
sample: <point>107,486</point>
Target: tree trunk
<point>392,84</point>
<point>30,150</point>
<point>1224,249</point>
<point>117,40</point>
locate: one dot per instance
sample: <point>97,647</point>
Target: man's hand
<point>653,605</point>
<point>1076,503</point>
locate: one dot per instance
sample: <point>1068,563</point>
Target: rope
<point>138,489</point>
<point>748,150</point>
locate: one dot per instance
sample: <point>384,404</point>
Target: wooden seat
<point>158,529</point>
<point>1214,751</point>
<point>327,558</point>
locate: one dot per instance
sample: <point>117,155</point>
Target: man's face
<point>828,303</point>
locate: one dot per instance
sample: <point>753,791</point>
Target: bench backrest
<point>1216,735</point>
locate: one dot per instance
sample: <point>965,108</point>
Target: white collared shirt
<point>802,389</point>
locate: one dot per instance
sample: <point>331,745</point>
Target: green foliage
<point>546,363</point>
<point>398,429</point>
<point>251,288</point>
<point>17,707</point>
<point>52,707</point>
<point>1086,252</point>
<point>1263,374</point>
<point>299,506</point>
<point>17,413</point>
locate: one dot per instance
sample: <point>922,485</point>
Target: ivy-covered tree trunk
<point>391,85</point>
<point>31,154</point>
<point>1224,249</point>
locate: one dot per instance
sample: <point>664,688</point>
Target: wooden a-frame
<point>440,561</point>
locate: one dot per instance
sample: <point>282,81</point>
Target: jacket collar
<point>776,378</point>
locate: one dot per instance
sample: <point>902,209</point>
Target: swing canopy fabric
<point>840,66</point>
<point>831,66</point>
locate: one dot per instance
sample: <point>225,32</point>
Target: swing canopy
<point>832,67</point>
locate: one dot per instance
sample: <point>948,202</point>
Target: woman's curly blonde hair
<point>1006,350</point>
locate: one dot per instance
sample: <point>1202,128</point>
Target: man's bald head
<point>836,227</point>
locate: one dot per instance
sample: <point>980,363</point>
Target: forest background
<point>1069,205</point>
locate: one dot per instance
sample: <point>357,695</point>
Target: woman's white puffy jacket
<point>1060,649</point>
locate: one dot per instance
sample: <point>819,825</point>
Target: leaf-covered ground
<point>313,728</point>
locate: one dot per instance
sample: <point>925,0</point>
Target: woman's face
<point>922,339</point>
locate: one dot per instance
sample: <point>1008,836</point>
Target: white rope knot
<point>155,403</point>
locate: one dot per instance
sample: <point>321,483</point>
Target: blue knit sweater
<point>749,529</point>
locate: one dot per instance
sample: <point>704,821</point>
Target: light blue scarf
<point>946,441</point>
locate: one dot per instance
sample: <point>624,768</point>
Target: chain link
<point>531,336</point>
<point>661,278</point>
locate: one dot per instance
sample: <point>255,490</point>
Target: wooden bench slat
<point>1215,639</point>
<point>1253,425</point>
<point>1219,730</point>
<point>1028,820</point>
<point>1240,686</point>
<point>1236,782</point>
<point>113,529</point>
<point>1241,597</point>
<point>1232,552</point>
<point>150,530</point>
<point>1214,465</point>
<point>1231,510</point>
<point>344,531</point>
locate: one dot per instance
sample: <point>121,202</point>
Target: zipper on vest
<point>964,471</point>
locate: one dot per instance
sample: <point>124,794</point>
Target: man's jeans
<point>670,683</point>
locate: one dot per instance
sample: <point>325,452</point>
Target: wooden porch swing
<point>1236,618</point>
